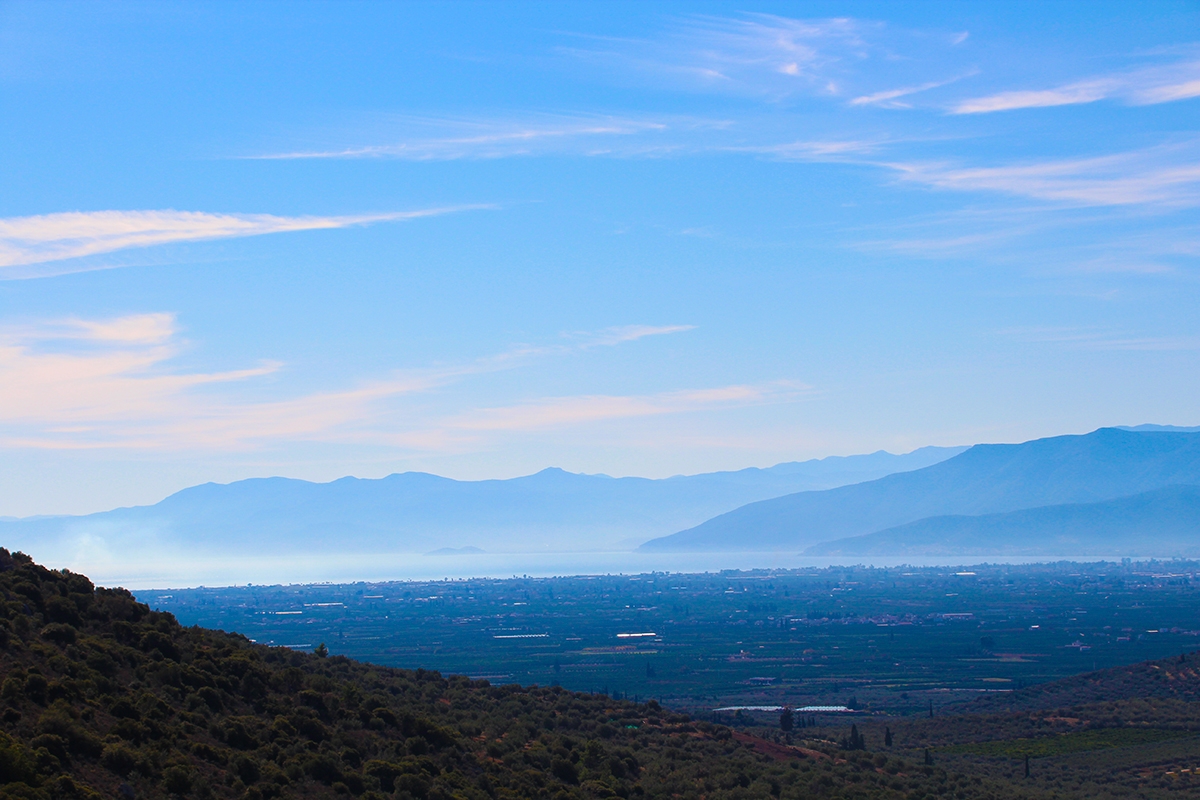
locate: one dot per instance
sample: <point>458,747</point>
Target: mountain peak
<point>988,478</point>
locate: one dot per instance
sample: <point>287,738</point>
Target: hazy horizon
<point>475,240</point>
<point>551,468</point>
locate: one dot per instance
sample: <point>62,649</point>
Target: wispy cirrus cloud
<point>767,53</point>
<point>755,54</point>
<point>1071,94</point>
<point>447,139</point>
<point>113,384</point>
<point>1160,176</point>
<point>1163,175</point>
<point>631,333</point>
<point>1148,86</point>
<point>814,150</point>
<point>76,234</point>
<point>558,412</point>
<point>776,57</point>
<point>652,138</point>
<point>1045,241</point>
<point>71,377</point>
<point>764,55</point>
<point>891,98</point>
<point>135,329</point>
<point>580,341</point>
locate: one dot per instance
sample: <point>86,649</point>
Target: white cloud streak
<point>1165,176</point>
<point>143,329</point>
<point>891,97</point>
<point>631,333</point>
<point>779,59</point>
<point>1043,240</point>
<point>109,384</point>
<point>580,341</point>
<point>112,375</point>
<point>559,412</point>
<point>827,150</point>
<point>76,234</point>
<point>1162,176</point>
<point>430,139</point>
<point>1165,84</point>
<point>761,45</point>
<point>1073,94</point>
<point>755,54</point>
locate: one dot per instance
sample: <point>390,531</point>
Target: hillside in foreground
<point>103,697</point>
<point>1126,732</point>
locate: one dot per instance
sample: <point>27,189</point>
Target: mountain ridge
<point>987,478</point>
<point>415,512</point>
<point>1160,522</point>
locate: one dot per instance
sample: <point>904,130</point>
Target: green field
<point>883,640</point>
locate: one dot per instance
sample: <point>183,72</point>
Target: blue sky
<point>482,239</point>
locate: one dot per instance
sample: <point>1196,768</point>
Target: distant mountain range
<point>1112,492</point>
<point>1156,523</point>
<point>936,510</point>
<point>551,511</point>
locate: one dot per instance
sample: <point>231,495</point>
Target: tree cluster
<point>102,697</point>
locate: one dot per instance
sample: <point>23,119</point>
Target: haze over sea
<point>406,241</point>
<point>1115,493</point>
<point>287,570</point>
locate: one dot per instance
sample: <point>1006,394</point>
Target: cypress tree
<point>855,741</point>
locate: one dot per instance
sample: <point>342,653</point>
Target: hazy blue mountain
<point>1163,522</point>
<point>456,551</point>
<point>551,511</point>
<point>987,478</point>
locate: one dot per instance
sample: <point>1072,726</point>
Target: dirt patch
<point>779,752</point>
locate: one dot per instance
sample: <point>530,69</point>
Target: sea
<point>299,568</point>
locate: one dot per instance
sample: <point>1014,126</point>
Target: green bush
<point>59,633</point>
<point>178,779</point>
<point>17,764</point>
<point>119,759</point>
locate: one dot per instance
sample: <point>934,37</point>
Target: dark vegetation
<point>1132,731</point>
<point>1174,679</point>
<point>1081,672</point>
<point>103,697</point>
<point>891,640</point>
